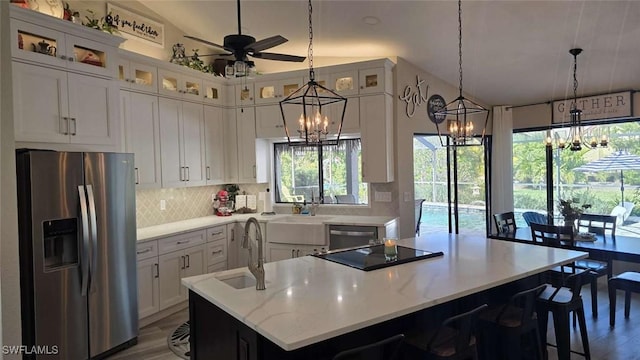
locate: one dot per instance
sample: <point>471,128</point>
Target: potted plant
<point>571,210</point>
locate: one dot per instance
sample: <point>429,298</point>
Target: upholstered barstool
<point>561,301</point>
<point>386,349</point>
<point>455,339</point>
<point>507,324</point>
<point>629,282</point>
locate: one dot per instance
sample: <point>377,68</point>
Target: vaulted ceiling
<point>514,52</point>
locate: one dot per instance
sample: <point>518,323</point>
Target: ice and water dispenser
<point>60,243</point>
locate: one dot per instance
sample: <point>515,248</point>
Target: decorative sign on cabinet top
<point>137,26</point>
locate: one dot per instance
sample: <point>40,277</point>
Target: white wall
<point>9,270</point>
<point>406,127</point>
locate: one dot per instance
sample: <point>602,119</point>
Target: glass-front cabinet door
<point>138,76</point>
<point>372,81</point>
<point>345,83</point>
<point>37,44</point>
<point>213,92</point>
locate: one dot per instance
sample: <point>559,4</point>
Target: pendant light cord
<point>460,42</point>
<point>575,82</point>
<point>310,51</point>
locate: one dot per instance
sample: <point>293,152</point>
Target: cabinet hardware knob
<point>63,57</point>
<point>71,59</point>
<point>183,242</point>
<point>157,270</point>
<point>216,252</point>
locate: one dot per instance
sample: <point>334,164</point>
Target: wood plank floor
<point>619,343</point>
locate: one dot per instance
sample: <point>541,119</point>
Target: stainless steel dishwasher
<point>346,236</point>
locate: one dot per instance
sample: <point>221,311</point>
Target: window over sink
<point>334,171</point>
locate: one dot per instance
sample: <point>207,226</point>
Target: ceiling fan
<point>241,46</point>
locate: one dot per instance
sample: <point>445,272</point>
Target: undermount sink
<point>298,229</point>
<point>238,281</point>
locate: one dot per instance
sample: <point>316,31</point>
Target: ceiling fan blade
<point>267,43</point>
<point>215,55</point>
<point>280,57</point>
<point>204,41</point>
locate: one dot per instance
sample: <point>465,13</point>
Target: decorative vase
<point>571,220</point>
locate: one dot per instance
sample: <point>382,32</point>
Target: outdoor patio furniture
<point>345,199</point>
<point>534,217</point>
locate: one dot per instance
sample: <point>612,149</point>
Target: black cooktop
<point>372,257</point>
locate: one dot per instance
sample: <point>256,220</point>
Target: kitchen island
<point>313,307</point>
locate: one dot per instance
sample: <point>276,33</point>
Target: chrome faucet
<point>256,269</point>
<point>314,205</point>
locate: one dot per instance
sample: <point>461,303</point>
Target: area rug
<point>178,340</point>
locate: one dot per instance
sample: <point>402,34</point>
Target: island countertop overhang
<point>309,300</point>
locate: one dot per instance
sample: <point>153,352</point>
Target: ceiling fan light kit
<point>241,46</point>
<point>313,125</point>
<point>461,112</point>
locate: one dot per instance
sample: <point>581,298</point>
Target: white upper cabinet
<point>377,138</point>
<point>213,92</point>
<point>230,130</point>
<point>179,85</point>
<point>140,116</point>
<point>244,94</point>
<point>137,76</point>
<point>269,92</point>
<point>214,144</point>
<point>345,82</point>
<point>375,80</point>
<point>55,106</point>
<point>46,40</point>
<point>182,143</point>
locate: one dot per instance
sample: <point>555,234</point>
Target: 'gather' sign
<point>607,106</point>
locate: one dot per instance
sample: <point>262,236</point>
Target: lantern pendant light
<point>460,113</point>
<point>313,104</point>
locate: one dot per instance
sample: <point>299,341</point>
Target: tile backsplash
<point>193,202</point>
<point>181,203</point>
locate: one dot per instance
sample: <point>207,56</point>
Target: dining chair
<point>386,349</point>
<point>455,339</point>
<point>534,217</point>
<point>555,236</point>
<point>418,214</point>
<point>604,225</point>
<point>505,222</point>
<point>598,224</point>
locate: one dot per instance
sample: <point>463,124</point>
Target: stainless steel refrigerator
<point>77,244</point>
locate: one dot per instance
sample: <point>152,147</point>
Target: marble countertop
<point>178,227</point>
<point>309,300</point>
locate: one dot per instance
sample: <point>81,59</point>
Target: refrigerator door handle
<point>94,230</point>
<point>84,218</point>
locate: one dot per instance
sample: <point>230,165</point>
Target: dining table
<point>605,247</point>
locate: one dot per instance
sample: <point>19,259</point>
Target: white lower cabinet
<point>173,267</point>
<point>276,252</point>
<point>148,281</point>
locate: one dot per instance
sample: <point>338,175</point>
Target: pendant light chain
<point>575,82</point>
<point>460,42</point>
<point>310,51</point>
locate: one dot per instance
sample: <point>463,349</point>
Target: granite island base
<point>314,308</point>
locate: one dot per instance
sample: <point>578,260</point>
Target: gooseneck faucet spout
<point>257,269</point>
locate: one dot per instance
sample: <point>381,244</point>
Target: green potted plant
<point>571,210</point>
